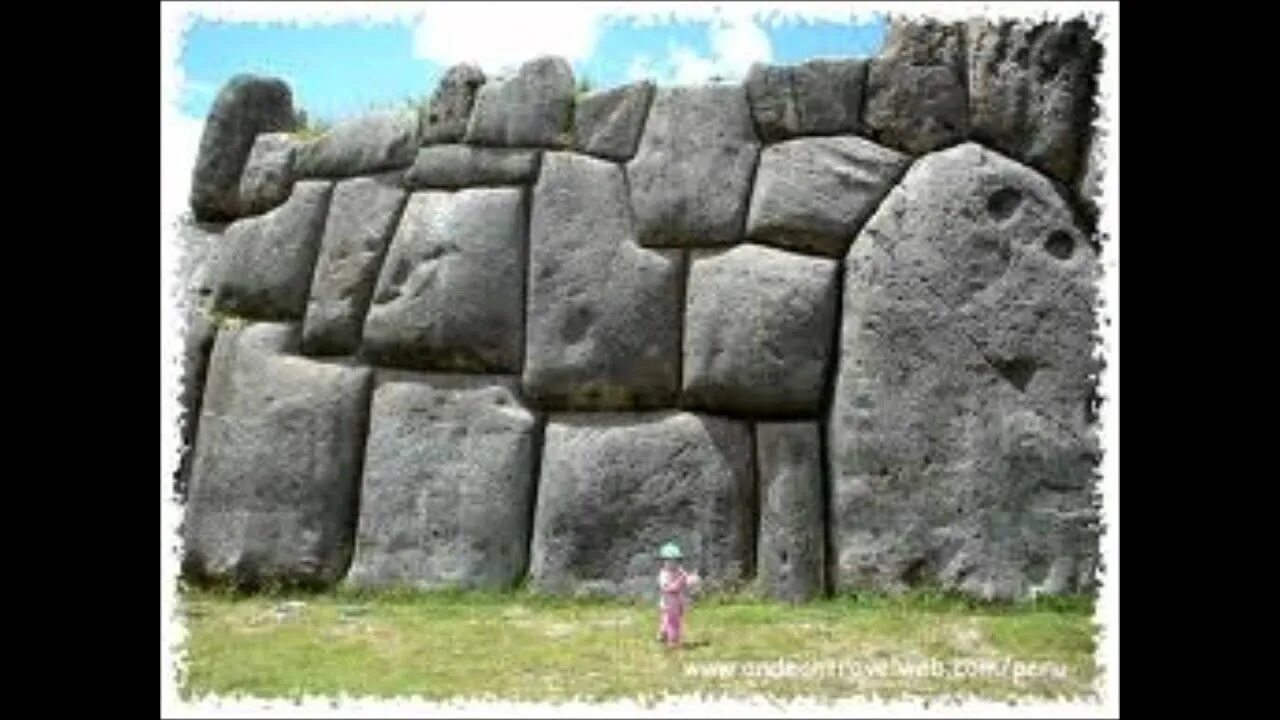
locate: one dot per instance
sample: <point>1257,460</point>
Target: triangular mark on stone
<point>1018,371</point>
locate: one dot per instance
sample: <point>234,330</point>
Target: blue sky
<point>343,69</point>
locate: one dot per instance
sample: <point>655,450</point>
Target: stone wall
<point>829,329</point>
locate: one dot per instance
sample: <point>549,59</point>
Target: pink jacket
<point>672,586</point>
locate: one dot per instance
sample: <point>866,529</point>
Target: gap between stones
<point>751,573</point>
<point>824,426</point>
<point>365,422</point>
<point>535,487</point>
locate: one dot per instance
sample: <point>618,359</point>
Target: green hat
<point>670,551</point>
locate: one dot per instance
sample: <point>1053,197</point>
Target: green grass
<point>525,647</point>
<point>312,130</point>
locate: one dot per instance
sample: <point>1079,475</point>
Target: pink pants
<point>672,624</point>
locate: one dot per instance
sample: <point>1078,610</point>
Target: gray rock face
<point>819,97</point>
<point>961,440</point>
<point>532,109</point>
<point>604,313</point>
<point>791,553</point>
<point>246,106</point>
<point>448,484</point>
<point>264,264</point>
<point>814,194</point>
<point>451,292</point>
<point>692,174</point>
<point>607,123</point>
<point>445,117</point>
<point>758,330</point>
<point>197,262</point>
<point>615,487</point>
<point>197,242</point>
<point>1089,186</point>
<point>365,145</point>
<point>1031,91</point>
<point>197,344</point>
<point>275,481</point>
<point>362,216</point>
<point>916,95</point>
<point>456,166</point>
<point>268,173</point>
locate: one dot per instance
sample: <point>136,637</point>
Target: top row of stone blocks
<point>1022,88</point>
<point>536,107</point>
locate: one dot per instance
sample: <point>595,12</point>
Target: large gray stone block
<point>791,554</point>
<point>758,330</point>
<point>615,487</point>
<point>450,296</point>
<point>265,262</point>
<point>197,260</point>
<point>362,215</point>
<point>814,194</point>
<point>197,344</point>
<point>196,242</point>
<point>267,179</point>
<point>916,97</point>
<point>246,106</point>
<point>818,97</point>
<point>603,314</point>
<point>534,108</point>
<point>1031,90</point>
<point>691,177</point>
<point>963,451</point>
<point>448,484</point>
<point>445,117</point>
<point>365,145</point>
<point>607,123</point>
<point>276,476</point>
<point>457,166</point>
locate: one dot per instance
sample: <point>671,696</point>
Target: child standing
<point>673,582</point>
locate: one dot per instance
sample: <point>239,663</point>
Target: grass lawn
<point>523,647</point>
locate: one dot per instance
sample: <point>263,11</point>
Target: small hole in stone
<point>915,572</point>
<point>1060,245</point>
<point>1017,371</point>
<point>1003,202</point>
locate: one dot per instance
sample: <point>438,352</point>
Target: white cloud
<point>688,67</point>
<point>498,36</point>
<point>501,35</point>
<point>736,43</point>
<point>641,67</point>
